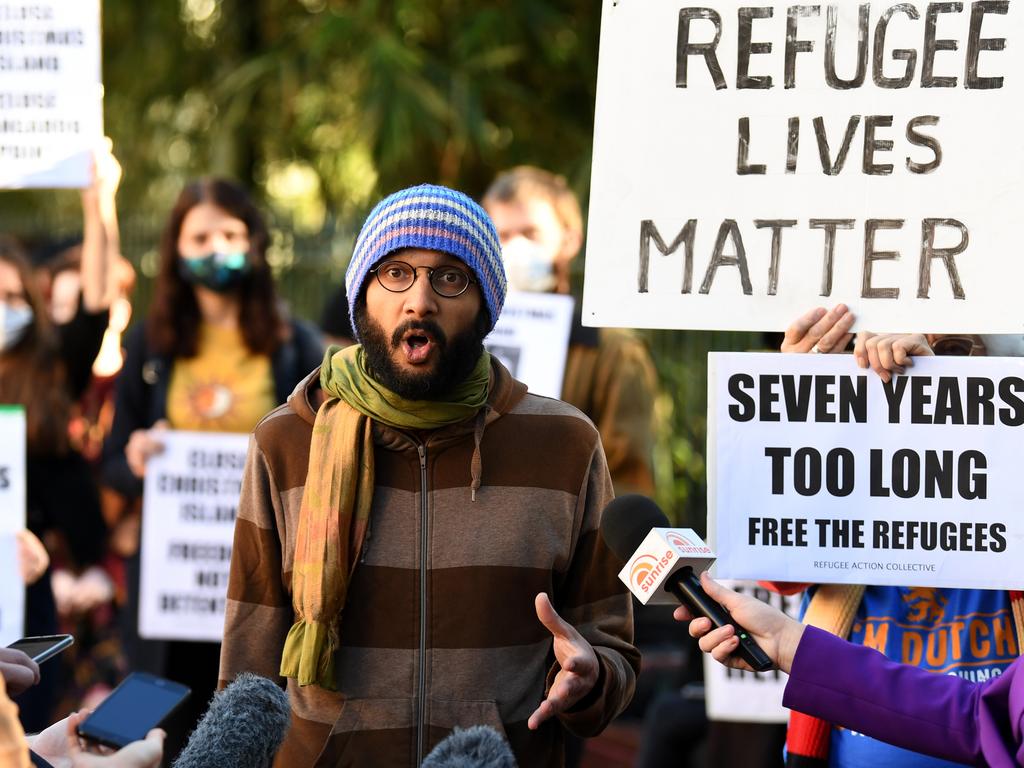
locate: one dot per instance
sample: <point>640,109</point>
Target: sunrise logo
<point>685,545</point>
<point>645,569</point>
<point>642,568</point>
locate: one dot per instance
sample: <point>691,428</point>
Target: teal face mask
<point>217,271</point>
<point>14,321</point>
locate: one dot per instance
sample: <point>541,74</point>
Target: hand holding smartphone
<point>140,703</point>
<point>19,663</point>
<point>42,647</point>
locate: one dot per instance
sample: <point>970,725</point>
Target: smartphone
<point>43,647</point>
<point>141,702</point>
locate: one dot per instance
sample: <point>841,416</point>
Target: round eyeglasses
<point>397,276</point>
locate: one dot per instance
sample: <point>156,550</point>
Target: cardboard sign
<point>738,696</point>
<point>51,92</point>
<point>188,522</point>
<point>531,339</point>
<point>818,472</point>
<point>754,161</point>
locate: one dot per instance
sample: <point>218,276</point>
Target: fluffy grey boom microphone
<point>478,747</point>
<point>243,727</point>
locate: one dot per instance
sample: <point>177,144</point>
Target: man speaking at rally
<point>417,540</point>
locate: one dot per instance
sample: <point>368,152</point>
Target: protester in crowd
<point>858,688</point>
<point>335,320</point>
<point>609,374</point>
<point>85,600</point>
<point>881,617</point>
<point>45,367</point>
<point>216,352</point>
<point>425,523</point>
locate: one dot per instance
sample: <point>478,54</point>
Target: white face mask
<point>1004,345</point>
<point>529,266</point>
<point>14,321</point>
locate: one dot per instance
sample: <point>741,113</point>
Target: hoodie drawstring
<point>476,467</point>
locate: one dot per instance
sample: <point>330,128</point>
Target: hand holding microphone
<point>663,562</point>
<point>776,633</point>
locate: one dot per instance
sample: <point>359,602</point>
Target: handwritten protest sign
<point>818,472</point>
<point>531,338</point>
<point>754,161</point>
<point>736,695</point>
<point>12,519</point>
<point>51,92</point>
<point>188,520</point>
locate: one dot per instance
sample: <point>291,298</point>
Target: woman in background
<point>216,354</point>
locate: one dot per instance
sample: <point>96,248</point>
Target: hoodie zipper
<point>422,687</point>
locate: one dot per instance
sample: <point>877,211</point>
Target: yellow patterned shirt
<point>224,388</point>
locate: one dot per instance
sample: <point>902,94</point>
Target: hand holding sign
<point>142,445</point>
<point>820,331</point>
<point>33,559</point>
<point>889,353</point>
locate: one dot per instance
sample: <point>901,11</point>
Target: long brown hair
<point>172,327</point>
<point>32,373</point>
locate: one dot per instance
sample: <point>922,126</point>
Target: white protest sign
<point>736,695</point>
<point>531,339</point>
<point>188,521</point>
<point>12,591</point>
<point>12,468</point>
<point>12,519</point>
<point>51,92</point>
<point>818,472</point>
<point>754,161</point>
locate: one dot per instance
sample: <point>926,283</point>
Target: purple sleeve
<point>939,715</point>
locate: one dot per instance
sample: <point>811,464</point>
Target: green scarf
<point>338,496</point>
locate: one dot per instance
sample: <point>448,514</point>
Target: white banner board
<point>531,339</point>
<point>12,591</point>
<point>188,521</point>
<point>754,161</point>
<point>12,468</point>
<point>51,92</point>
<point>738,696</point>
<point>820,473</point>
<point>12,519</point>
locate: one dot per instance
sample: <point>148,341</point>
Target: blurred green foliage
<point>322,105</point>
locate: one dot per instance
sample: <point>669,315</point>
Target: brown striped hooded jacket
<point>439,629</point>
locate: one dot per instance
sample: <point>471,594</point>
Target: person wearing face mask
<point>609,374</point>
<point>215,353</point>
<point>45,367</point>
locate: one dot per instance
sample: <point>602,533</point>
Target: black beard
<point>456,358</point>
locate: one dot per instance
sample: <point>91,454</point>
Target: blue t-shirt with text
<point>964,632</point>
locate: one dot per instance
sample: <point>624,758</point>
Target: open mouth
<point>417,345</point>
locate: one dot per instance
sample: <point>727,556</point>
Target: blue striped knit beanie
<point>437,219</point>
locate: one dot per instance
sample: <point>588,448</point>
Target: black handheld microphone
<point>624,526</point>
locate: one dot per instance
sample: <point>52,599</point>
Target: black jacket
<point>141,394</point>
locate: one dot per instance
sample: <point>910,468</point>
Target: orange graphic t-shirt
<point>224,388</point>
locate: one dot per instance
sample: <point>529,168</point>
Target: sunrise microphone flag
<point>663,566</point>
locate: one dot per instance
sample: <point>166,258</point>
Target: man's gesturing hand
<point>577,660</point>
